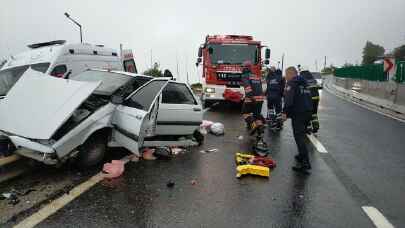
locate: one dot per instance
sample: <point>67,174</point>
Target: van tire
<point>92,151</point>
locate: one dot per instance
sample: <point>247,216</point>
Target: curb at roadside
<point>389,110</point>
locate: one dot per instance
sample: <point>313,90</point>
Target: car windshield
<point>8,77</point>
<point>111,82</point>
<point>233,53</point>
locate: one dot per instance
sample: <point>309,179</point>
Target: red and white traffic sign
<point>388,65</point>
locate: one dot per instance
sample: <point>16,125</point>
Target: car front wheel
<point>92,151</point>
<point>198,137</point>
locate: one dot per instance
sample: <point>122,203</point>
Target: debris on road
<point>254,165</point>
<point>147,154</point>
<point>13,195</point>
<point>177,150</point>
<point>206,124</point>
<point>208,151</point>
<point>240,137</point>
<point>163,152</point>
<point>170,184</point>
<point>133,158</point>
<point>204,127</point>
<point>217,129</point>
<point>193,182</point>
<point>113,169</point>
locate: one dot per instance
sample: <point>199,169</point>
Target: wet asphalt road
<point>364,166</point>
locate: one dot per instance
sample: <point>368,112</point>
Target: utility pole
<point>186,64</point>
<point>177,66</point>
<point>282,63</point>
<point>77,23</point>
<point>151,54</point>
<point>316,65</point>
<point>324,63</point>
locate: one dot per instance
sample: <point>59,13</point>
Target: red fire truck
<point>222,57</point>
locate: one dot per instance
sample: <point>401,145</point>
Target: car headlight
<point>210,90</point>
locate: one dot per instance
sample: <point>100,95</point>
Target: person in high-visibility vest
<point>313,125</point>
<point>254,97</point>
<point>252,108</point>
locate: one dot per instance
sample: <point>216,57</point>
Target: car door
<point>180,113</point>
<point>135,118</point>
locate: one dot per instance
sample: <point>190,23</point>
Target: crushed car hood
<point>38,104</point>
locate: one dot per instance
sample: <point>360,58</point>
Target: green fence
<point>372,72</point>
<point>400,73</point>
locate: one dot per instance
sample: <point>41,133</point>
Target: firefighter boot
<point>315,123</point>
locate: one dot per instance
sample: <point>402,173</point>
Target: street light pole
<point>77,23</point>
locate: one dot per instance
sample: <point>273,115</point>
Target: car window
<point>129,66</point>
<point>111,81</point>
<point>9,77</point>
<point>145,96</point>
<point>59,71</point>
<point>175,93</point>
<point>131,86</point>
<point>41,67</point>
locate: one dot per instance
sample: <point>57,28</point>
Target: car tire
<point>199,137</point>
<point>92,151</point>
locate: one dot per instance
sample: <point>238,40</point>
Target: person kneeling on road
<point>275,89</point>
<point>298,107</point>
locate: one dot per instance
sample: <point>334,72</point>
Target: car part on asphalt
<point>163,152</point>
<point>170,184</point>
<point>147,154</point>
<point>208,151</point>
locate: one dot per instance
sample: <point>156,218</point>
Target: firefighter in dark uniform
<point>252,106</point>
<point>313,125</point>
<point>298,107</point>
<point>275,89</point>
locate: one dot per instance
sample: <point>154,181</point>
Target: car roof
<point>134,74</point>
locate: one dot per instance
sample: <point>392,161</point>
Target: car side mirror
<point>267,54</point>
<point>68,74</point>
<point>116,99</point>
<point>210,50</point>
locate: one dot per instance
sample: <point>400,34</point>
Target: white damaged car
<point>52,119</point>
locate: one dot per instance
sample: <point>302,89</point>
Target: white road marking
<point>62,201</point>
<point>377,217</point>
<point>318,145</point>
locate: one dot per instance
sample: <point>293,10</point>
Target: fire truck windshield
<point>233,53</point>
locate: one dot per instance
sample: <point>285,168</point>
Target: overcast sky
<point>305,30</point>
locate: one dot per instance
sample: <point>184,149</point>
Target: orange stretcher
<point>253,165</point>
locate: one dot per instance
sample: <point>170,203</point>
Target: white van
<point>61,60</point>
